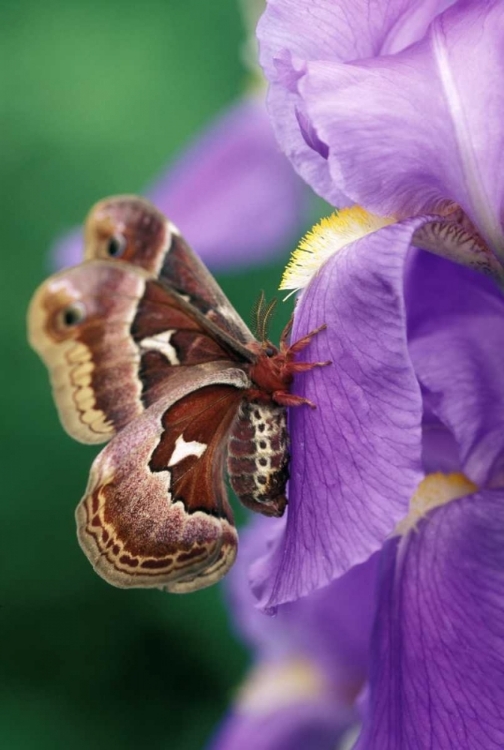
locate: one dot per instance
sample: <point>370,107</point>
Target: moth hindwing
<point>155,512</point>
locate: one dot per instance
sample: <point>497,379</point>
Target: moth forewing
<point>149,240</point>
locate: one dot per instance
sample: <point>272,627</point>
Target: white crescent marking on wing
<point>161,343</point>
<point>183,449</point>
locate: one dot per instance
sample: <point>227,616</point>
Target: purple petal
<point>344,30</point>
<point>301,144</point>
<point>430,129</point>
<point>331,627</point>
<point>232,193</point>
<point>356,457</point>
<point>456,331</point>
<point>437,678</point>
<point>316,725</point>
<point>292,32</point>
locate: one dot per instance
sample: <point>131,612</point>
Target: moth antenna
<point>257,315</point>
<point>262,315</point>
<point>268,314</point>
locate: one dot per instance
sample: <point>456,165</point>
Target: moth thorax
<point>258,457</point>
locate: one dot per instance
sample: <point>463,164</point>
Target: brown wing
<point>131,229</point>
<point>155,512</point>
<point>110,337</point>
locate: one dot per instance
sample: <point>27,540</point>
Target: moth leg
<point>307,366</point>
<point>285,335</point>
<point>302,343</point>
<point>284,398</point>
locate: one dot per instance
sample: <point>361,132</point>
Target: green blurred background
<point>96,99</point>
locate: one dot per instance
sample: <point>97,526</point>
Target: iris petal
<point>343,30</point>
<point>310,660</point>
<point>292,33</point>
<point>437,675</point>
<point>356,458</point>
<point>456,332</point>
<point>232,193</point>
<point>430,129</point>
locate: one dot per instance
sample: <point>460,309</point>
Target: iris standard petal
<point>456,333</point>
<point>437,675</point>
<point>232,193</point>
<point>299,140</point>
<point>344,30</point>
<point>293,32</point>
<point>355,459</point>
<point>407,131</point>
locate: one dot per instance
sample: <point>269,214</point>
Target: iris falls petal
<point>437,675</point>
<point>356,457</point>
<point>310,660</point>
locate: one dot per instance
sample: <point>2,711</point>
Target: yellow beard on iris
<point>324,239</point>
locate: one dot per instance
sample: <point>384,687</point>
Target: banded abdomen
<point>258,457</point>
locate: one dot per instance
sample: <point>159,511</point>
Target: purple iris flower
<point>408,436</point>
<point>371,453</point>
<point>232,192</point>
<point>384,104</point>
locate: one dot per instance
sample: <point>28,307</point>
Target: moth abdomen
<point>258,457</point>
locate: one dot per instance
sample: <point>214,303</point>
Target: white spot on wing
<point>161,343</point>
<point>183,449</point>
